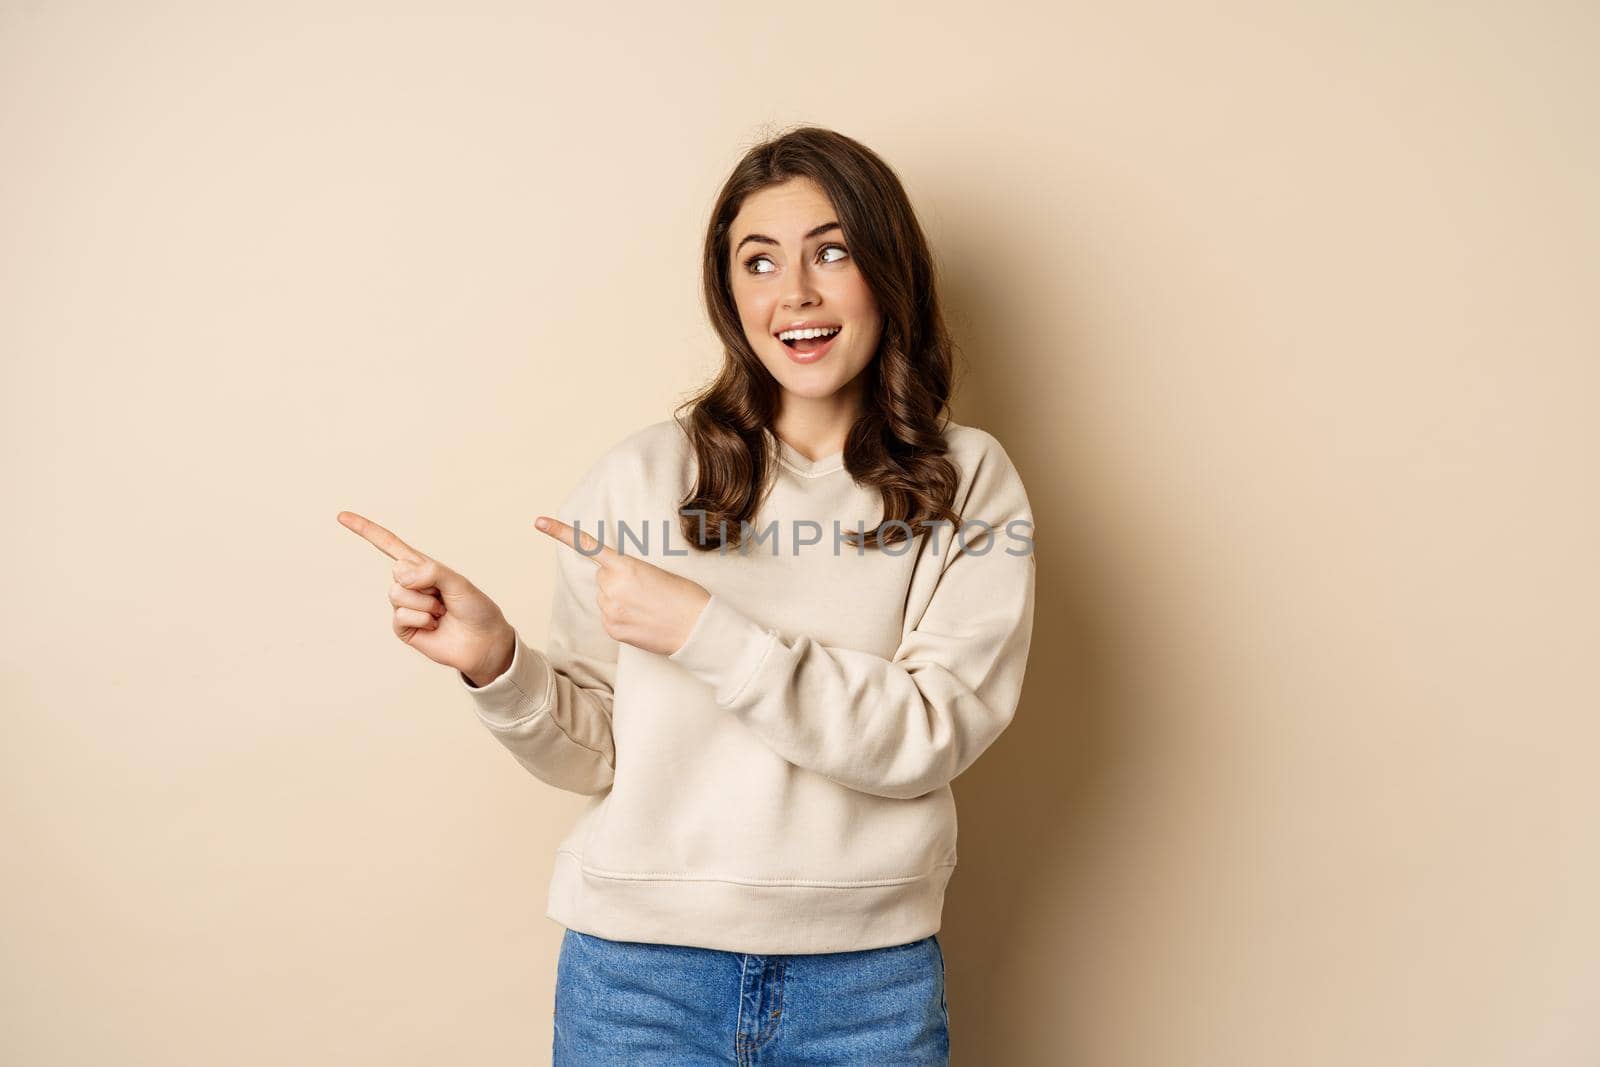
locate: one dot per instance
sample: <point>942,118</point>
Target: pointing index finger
<point>595,551</point>
<point>382,539</point>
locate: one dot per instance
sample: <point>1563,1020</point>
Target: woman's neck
<point>816,428</point>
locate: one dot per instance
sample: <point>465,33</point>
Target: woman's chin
<point>807,387</point>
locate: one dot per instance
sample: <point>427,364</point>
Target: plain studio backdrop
<point>1285,312</point>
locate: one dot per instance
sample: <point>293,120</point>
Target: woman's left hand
<point>640,603</point>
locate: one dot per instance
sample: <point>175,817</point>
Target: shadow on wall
<point>1016,913</point>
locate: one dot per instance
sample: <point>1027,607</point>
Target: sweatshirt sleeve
<point>904,726</point>
<point>552,707</point>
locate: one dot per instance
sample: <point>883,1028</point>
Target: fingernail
<point>542,523</point>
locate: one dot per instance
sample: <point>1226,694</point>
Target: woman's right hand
<point>438,612</point>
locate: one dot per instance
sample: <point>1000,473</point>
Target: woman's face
<point>789,265</point>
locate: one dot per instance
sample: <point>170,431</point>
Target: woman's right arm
<point>552,708</point>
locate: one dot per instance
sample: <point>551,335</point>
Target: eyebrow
<point>764,239</point>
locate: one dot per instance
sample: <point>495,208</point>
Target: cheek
<point>869,303</point>
<point>855,296</point>
<point>750,306</point>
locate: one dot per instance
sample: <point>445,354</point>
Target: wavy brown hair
<point>897,444</point>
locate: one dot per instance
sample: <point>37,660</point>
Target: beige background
<point>1285,312</point>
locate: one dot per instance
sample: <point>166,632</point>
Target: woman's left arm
<point>903,726</point>
<point>898,727</point>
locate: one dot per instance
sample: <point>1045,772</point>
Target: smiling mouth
<point>812,344</point>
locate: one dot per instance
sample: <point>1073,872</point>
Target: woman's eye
<point>750,264</point>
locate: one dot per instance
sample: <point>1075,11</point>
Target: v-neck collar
<point>791,457</point>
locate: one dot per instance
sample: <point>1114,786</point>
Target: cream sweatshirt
<point>781,783</point>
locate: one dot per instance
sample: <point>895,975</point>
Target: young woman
<point>784,620</point>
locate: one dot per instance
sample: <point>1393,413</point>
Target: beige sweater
<point>781,783</point>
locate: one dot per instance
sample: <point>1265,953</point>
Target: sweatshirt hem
<point>767,918</point>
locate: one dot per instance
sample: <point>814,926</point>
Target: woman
<point>808,609</point>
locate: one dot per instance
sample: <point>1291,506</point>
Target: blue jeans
<point>647,1005</point>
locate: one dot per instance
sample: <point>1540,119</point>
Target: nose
<point>799,292</point>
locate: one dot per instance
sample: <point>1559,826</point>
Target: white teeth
<point>800,335</point>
